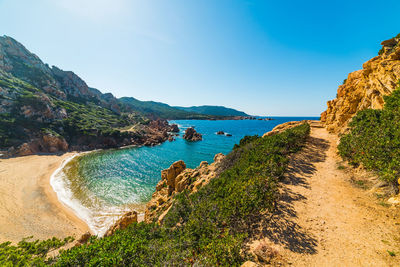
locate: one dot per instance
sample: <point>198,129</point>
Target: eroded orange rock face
<point>364,88</point>
<point>174,180</point>
<point>169,175</point>
<point>47,143</point>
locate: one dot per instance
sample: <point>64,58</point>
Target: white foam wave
<point>98,220</point>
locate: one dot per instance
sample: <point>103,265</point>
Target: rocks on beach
<point>48,143</point>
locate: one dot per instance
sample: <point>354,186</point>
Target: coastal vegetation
<point>374,139</point>
<point>30,253</point>
<point>92,120</point>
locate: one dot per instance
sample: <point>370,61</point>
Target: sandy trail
<point>28,205</point>
<point>324,220</point>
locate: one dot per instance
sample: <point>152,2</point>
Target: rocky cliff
<point>365,88</point>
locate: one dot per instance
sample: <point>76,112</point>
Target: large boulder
<point>46,144</point>
<point>54,143</point>
<point>25,149</point>
<point>192,135</point>
<point>171,173</point>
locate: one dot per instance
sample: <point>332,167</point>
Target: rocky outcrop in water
<point>174,180</point>
<point>174,128</point>
<point>192,135</point>
<point>365,88</point>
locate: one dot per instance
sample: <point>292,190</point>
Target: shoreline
<point>52,195</point>
<point>97,221</point>
<point>28,204</point>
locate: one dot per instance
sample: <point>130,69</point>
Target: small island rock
<point>192,135</point>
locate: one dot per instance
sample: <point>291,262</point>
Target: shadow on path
<point>281,228</point>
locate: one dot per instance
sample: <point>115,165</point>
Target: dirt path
<point>325,220</point>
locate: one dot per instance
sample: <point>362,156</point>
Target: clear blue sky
<point>262,57</point>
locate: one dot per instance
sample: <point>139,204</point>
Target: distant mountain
<point>153,109</point>
<point>214,111</point>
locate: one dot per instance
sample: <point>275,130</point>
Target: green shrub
<point>29,253</point>
<point>374,139</point>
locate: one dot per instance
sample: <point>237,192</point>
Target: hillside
<point>160,110</point>
<point>47,109</point>
<point>214,110</point>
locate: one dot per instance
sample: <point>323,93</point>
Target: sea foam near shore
<point>99,217</point>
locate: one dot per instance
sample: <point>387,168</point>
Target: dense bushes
<point>90,120</point>
<point>374,139</point>
<point>208,227</point>
<point>29,253</point>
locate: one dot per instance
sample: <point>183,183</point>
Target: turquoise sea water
<point>102,184</point>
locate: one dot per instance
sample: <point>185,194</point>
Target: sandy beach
<point>28,204</point>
